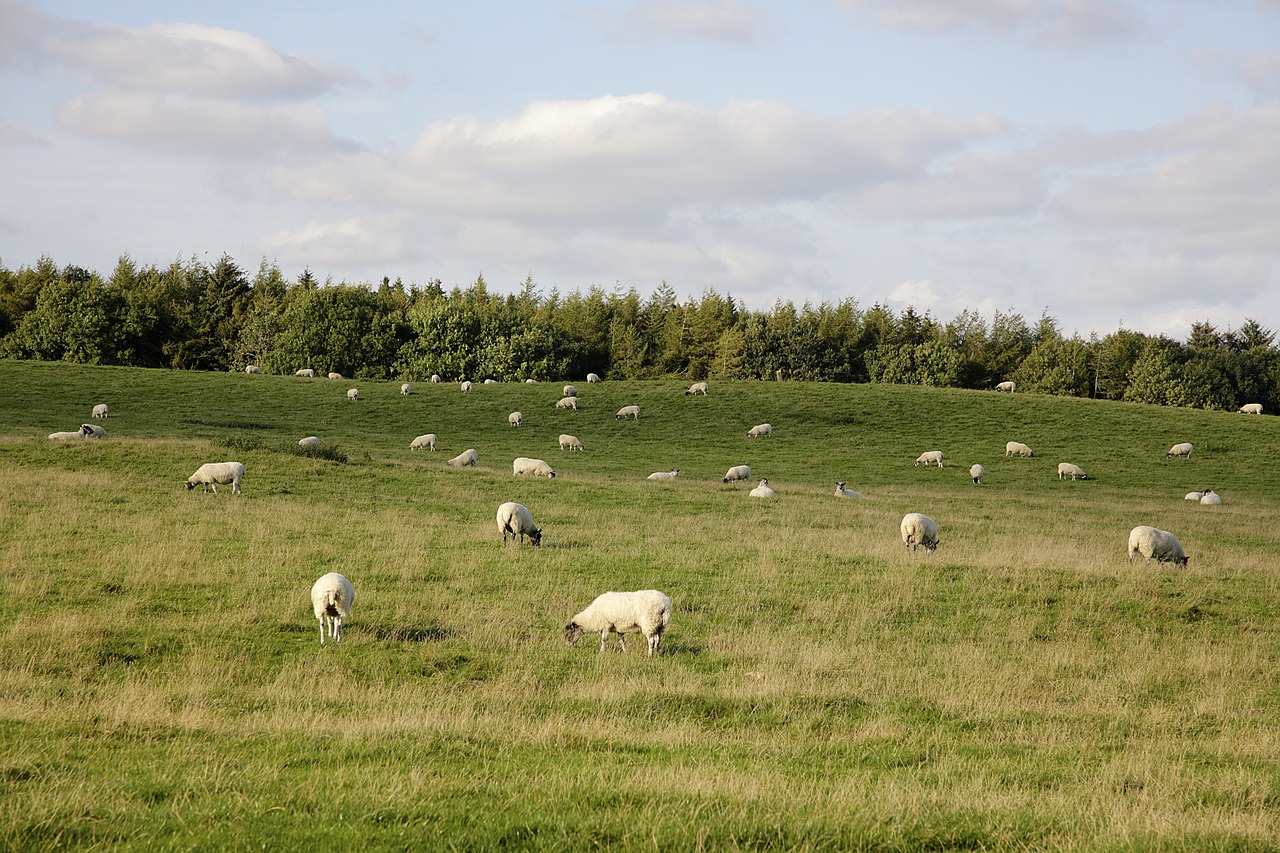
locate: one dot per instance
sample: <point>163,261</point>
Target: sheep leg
<point>604,635</point>
<point>337,629</point>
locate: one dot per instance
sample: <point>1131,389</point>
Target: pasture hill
<point>819,687</point>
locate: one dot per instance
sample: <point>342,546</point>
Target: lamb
<point>93,431</point>
<point>738,472</point>
<point>466,458</point>
<point>1075,472</point>
<point>252,369</point>
<point>567,403</point>
<point>1250,409</point>
<point>1161,544</point>
<point>309,441</point>
<point>305,373</point>
<point>646,612</point>
<point>929,456</point>
<point>919,531</point>
<point>697,388</point>
<point>1183,449</point>
<point>1210,498</point>
<point>518,521</point>
<point>465,386</point>
<point>331,599</point>
<point>533,467</point>
<point>428,440</point>
<point>759,430</point>
<point>335,375</point>
<point>353,393</point>
<point>405,388</point>
<point>100,410</point>
<point>69,436</point>
<point>571,442</point>
<point>593,378</point>
<point>762,490</point>
<point>628,412</point>
<point>1017,448</point>
<point>435,379</point>
<point>1006,387</point>
<point>515,418</point>
<point>570,391</point>
<point>664,475</point>
<point>1193,496</point>
<point>977,472</point>
<point>842,492</point>
<point>212,474</point>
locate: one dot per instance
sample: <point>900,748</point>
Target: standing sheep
<point>405,388</point>
<point>1183,449</point>
<point>309,441</point>
<point>100,410</point>
<point>353,394</point>
<point>765,430</point>
<point>977,472</point>
<point>1067,469</point>
<point>331,599</point>
<point>567,403</point>
<point>335,375</point>
<point>664,475</point>
<point>919,531</point>
<point>646,612</point>
<point>929,456</point>
<point>842,492</point>
<point>465,386</point>
<point>1017,448</point>
<point>762,490</point>
<point>252,369</point>
<point>593,378</point>
<point>515,418</point>
<point>1006,387</point>
<point>533,467</point>
<point>697,388</point>
<point>738,472</point>
<point>571,442</point>
<point>465,459</point>
<point>435,379</point>
<point>570,391</point>
<point>628,412</point>
<point>305,373</point>
<point>213,474</point>
<point>428,440</point>
<point>1161,544</point>
<point>1250,409</point>
<point>516,519</point>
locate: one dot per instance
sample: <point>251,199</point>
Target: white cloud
<point>342,243</point>
<point>712,20</point>
<point>1258,70</point>
<point>1056,23</point>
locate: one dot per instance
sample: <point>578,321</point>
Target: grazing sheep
<point>570,391</point>
<point>1017,448</point>
<point>1250,409</point>
<point>628,412</point>
<point>929,456</point>
<point>93,431</point>
<point>738,472</point>
<point>518,521</point>
<point>1210,498</point>
<point>305,373</point>
<point>252,369</point>
<point>1193,496</point>
<point>100,410</point>
<point>842,492</point>
<point>309,441</point>
<point>1161,544</point>
<point>664,475</point>
<point>466,458</point>
<point>646,612</point>
<point>491,382</point>
<point>428,440</point>
<point>515,418</point>
<point>593,378</point>
<point>335,375</point>
<point>210,475</point>
<point>1075,472</point>
<point>977,472</point>
<point>405,388</point>
<point>70,436</point>
<point>759,430</point>
<point>331,599</point>
<point>532,467</point>
<point>435,379</point>
<point>353,393</point>
<point>567,403</point>
<point>919,531</point>
<point>762,490</point>
<point>1006,387</point>
<point>465,386</point>
<point>697,388</point>
<point>571,442</point>
<point>1183,449</point>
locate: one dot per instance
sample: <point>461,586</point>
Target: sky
<point>1112,163</point>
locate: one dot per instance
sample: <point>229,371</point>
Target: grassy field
<point>1023,688</point>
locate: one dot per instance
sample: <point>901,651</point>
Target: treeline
<point>199,316</point>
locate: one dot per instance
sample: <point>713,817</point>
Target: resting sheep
<point>570,391</point>
<point>1067,469</point>
<point>466,458</point>
<point>929,456</point>
<point>738,472</point>
<point>335,375</point>
<point>405,388</point>
<point>531,382</point>
<point>1183,449</point>
<point>428,440</point>
<point>1250,409</point>
<point>491,382</point>
<point>309,441</point>
<point>465,386</point>
<point>567,403</point>
<point>100,410</point>
<point>532,467</point>
<point>70,436</point>
<point>977,472</point>
<point>93,431</point>
<point>516,519</point>
<point>353,393</point>
<point>1193,496</point>
<point>762,490</point>
<point>842,492</point>
<point>252,369</point>
<point>919,531</point>
<point>1017,448</point>
<point>646,612</point>
<point>593,378</point>
<point>628,412</point>
<point>1006,387</point>
<point>331,599</point>
<point>664,475</point>
<point>697,388</point>
<point>515,418</point>
<point>210,475</point>
<point>759,430</point>
<point>305,373</point>
<point>571,442</point>
<point>1161,544</point>
<point>1210,498</point>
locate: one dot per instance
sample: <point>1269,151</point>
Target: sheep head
<point>572,633</point>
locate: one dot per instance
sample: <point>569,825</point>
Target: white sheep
<point>466,458</point>
<point>309,441</point>
<point>69,436</point>
<point>1017,448</point>
<point>567,403</point>
<point>697,388</point>
<point>1193,496</point>
<point>570,391</point>
<point>738,472</point>
<point>93,431</point>
<point>435,379</point>
<point>1006,387</point>
<point>593,378</point>
<point>210,475</point>
<point>491,382</point>
<point>335,375</point>
<point>1250,409</point>
<point>919,531</point>
<point>570,441</point>
<point>405,388</point>
<point>532,467</point>
<point>465,386</point>
<point>331,599</point>
<point>1183,449</point>
<point>646,612</point>
<point>977,472</point>
<point>305,373</point>
<point>628,412</point>
<point>759,430</point>
<point>1210,498</point>
<point>1067,469</point>
<point>929,456</point>
<point>252,369</point>
<point>515,418</point>
<point>516,519</point>
<point>353,393</point>
<point>428,440</point>
<point>842,492</point>
<point>664,475</point>
<point>762,490</point>
<point>1161,544</point>
<point>531,382</point>
<point>100,410</point>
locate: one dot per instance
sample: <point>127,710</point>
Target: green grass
<point>162,684</point>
